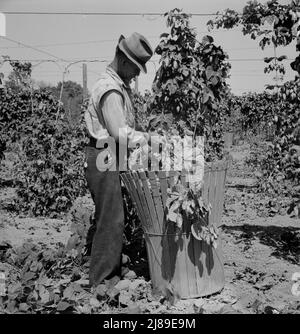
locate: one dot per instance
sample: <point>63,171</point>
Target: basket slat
<point>212,197</point>
<point>197,254</point>
<point>184,180</point>
<point>169,248</point>
<point>206,180</point>
<point>157,199</point>
<point>128,181</point>
<point>219,196</point>
<point>144,205</point>
<point>134,185</point>
<point>171,180</point>
<point>181,268</point>
<point>190,257</point>
<point>150,202</point>
<point>163,186</point>
<point>191,267</point>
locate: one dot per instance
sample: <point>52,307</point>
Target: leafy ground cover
<point>42,259</point>
<point>46,272</point>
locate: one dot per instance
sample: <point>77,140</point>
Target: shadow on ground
<point>285,241</point>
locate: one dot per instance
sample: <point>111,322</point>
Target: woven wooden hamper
<point>179,262</point>
<point>228,139</point>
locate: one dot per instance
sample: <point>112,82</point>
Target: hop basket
<point>228,139</point>
<point>178,262</point>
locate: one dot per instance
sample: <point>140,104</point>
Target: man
<point>110,114</point>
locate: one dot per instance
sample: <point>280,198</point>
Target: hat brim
<point>141,67</point>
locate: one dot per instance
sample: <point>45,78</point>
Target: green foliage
<point>273,22</point>
<point>141,112</point>
<point>274,64</point>
<point>256,110</point>
<point>50,168</point>
<point>20,76</point>
<point>187,92</point>
<point>281,19</point>
<point>42,280</point>
<point>278,25</point>
<point>55,281</point>
<point>186,204</point>
<point>71,98</point>
<point>273,118</point>
<point>287,139</point>
<point>189,84</point>
<point>281,160</point>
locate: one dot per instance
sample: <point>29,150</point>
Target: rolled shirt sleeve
<point>111,106</point>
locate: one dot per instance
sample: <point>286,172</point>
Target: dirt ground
<point>261,246</point>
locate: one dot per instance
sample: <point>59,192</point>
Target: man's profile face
<point>130,70</point>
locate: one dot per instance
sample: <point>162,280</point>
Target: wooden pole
<point>84,81</point>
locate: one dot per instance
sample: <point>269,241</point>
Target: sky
<point>93,38</point>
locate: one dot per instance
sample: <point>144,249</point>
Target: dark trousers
<point>106,234</point>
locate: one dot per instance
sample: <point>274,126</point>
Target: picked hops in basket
<point>173,154</point>
<point>139,158</point>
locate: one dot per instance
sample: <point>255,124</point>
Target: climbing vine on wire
<point>47,181</point>
<point>189,84</point>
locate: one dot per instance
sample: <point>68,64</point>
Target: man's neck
<point>115,67</point>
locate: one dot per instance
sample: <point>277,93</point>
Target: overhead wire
<point>98,59</point>
<point>90,42</point>
<point>94,59</point>
<point>97,13</point>
<point>71,43</point>
<point>57,59</point>
<point>32,47</point>
<point>49,54</point>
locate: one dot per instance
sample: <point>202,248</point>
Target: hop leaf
<point>179,221</point>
